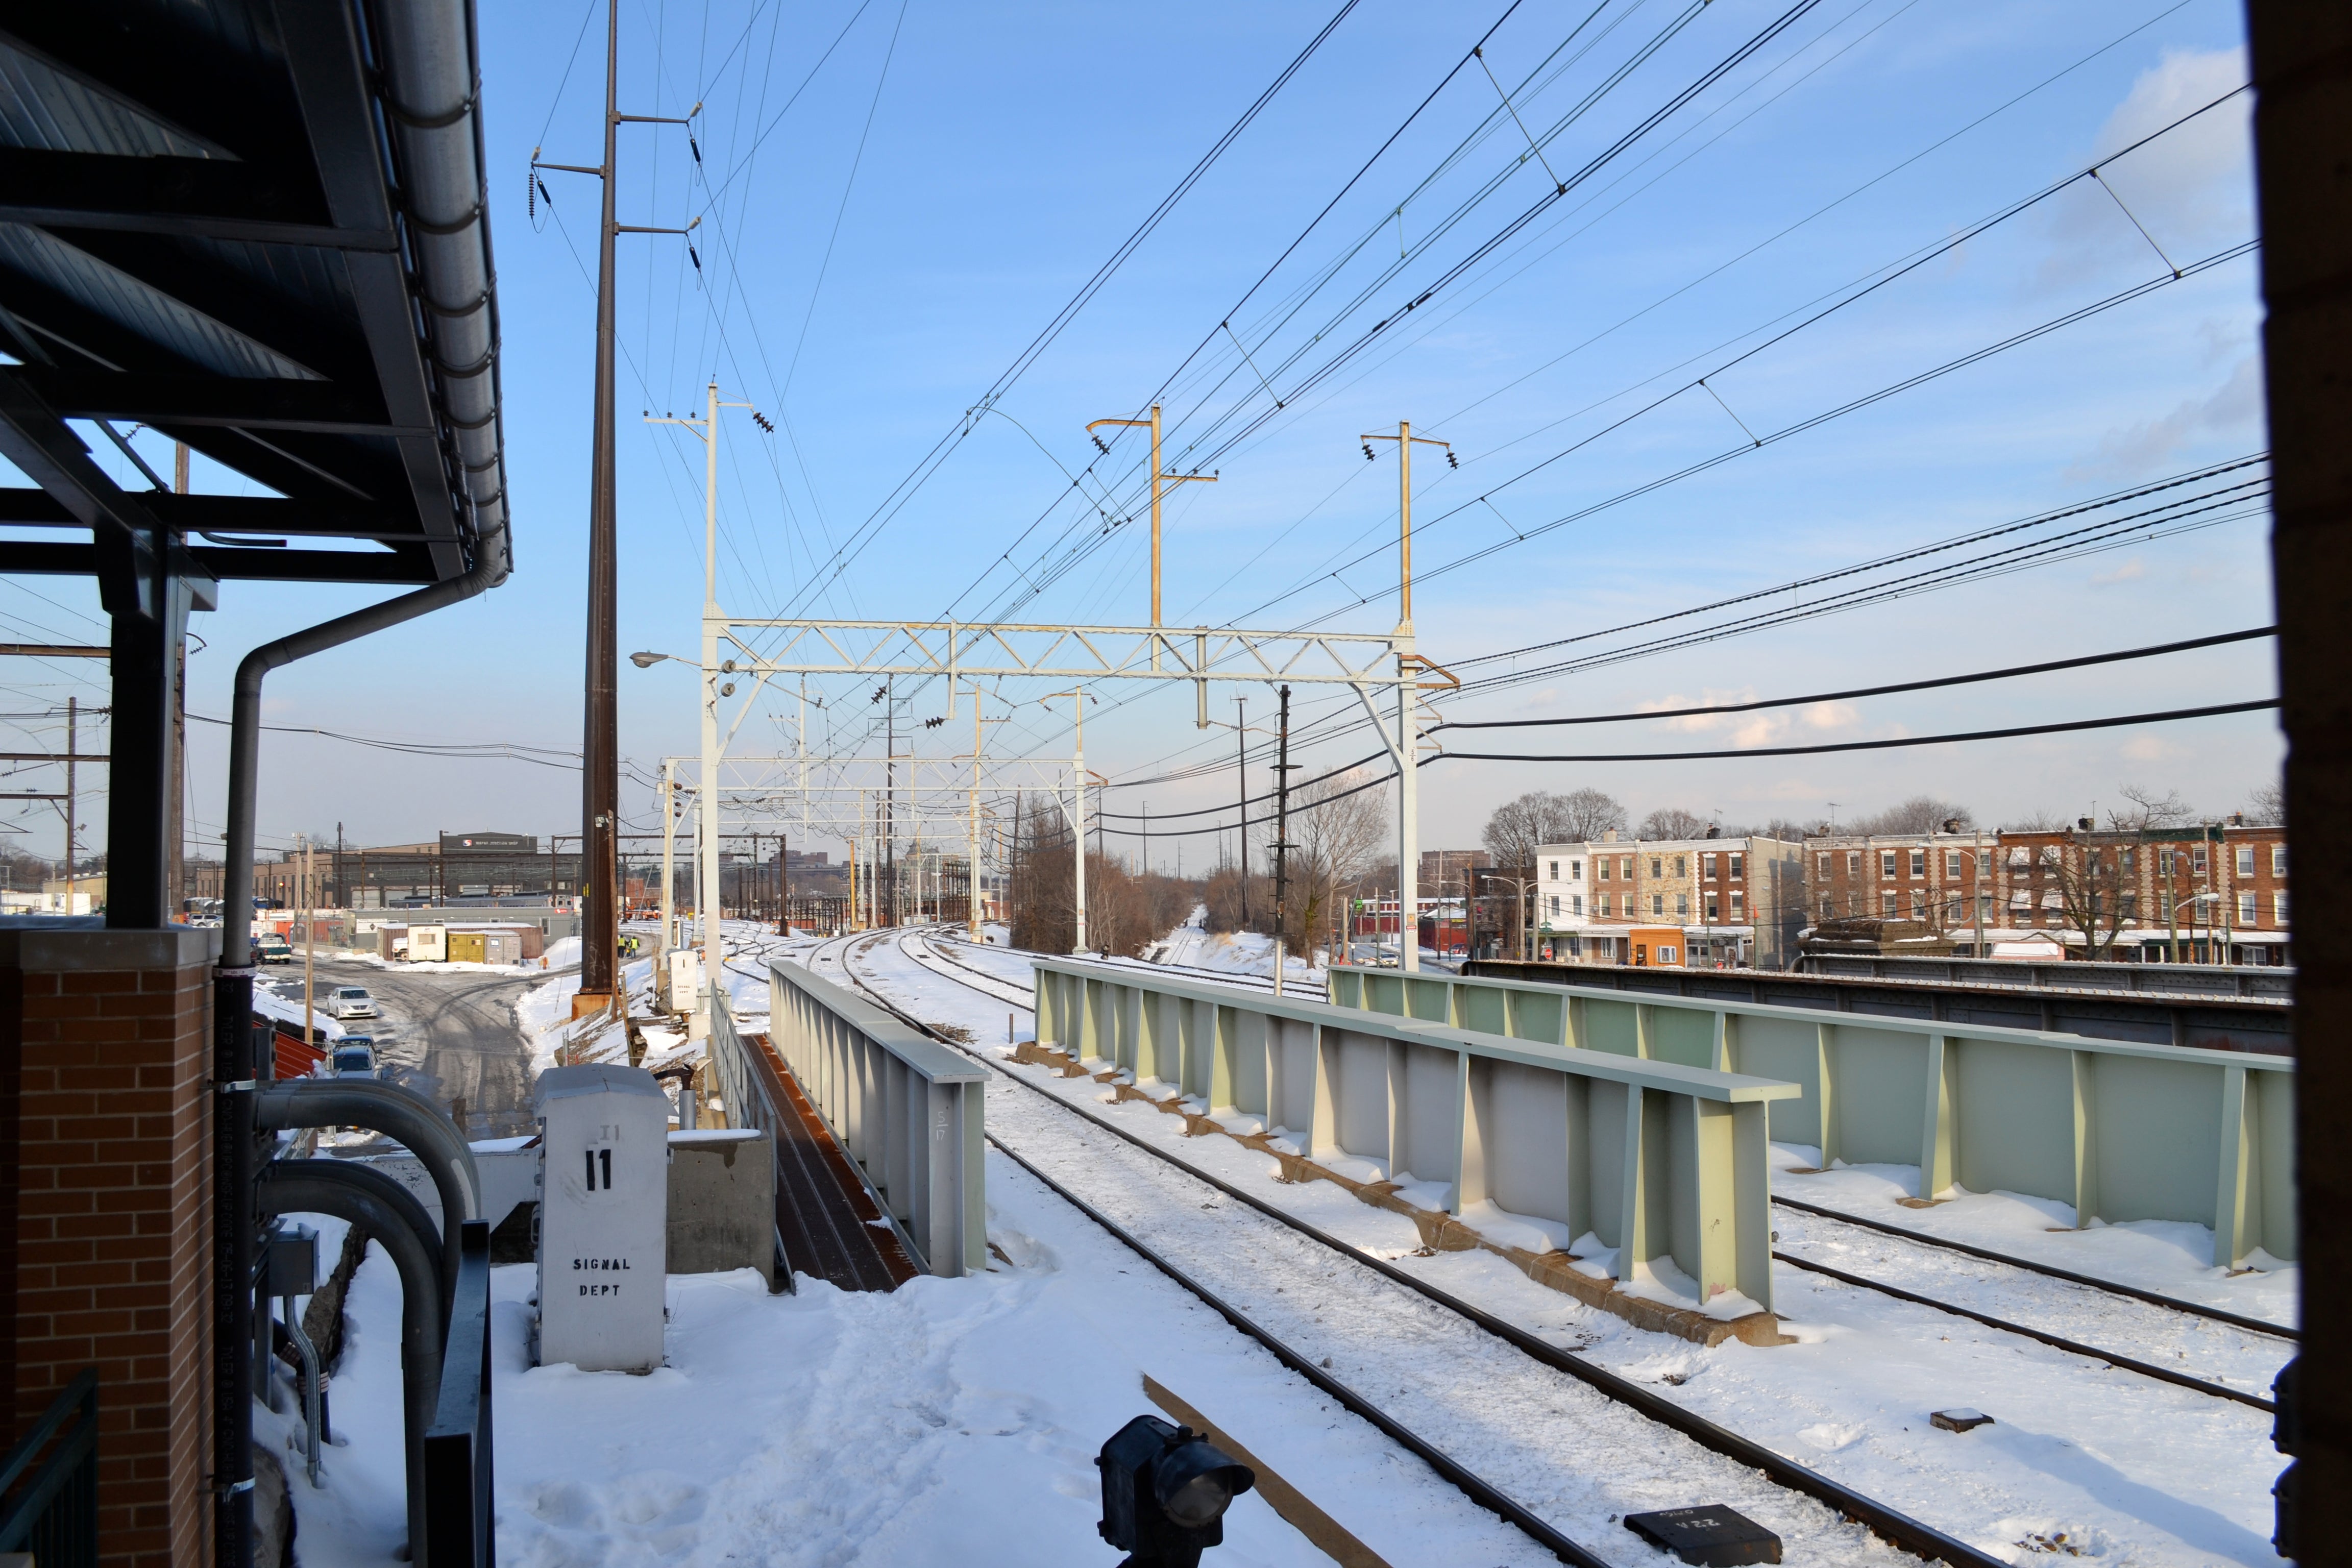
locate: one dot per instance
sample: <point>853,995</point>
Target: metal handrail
<point>459,1515</point>
<point>54,1515</point>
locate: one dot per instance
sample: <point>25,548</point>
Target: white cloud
<point>2191,189</point>
<point>2235,408</point>
<point>1831,716</point>
<point>2151,749</point>
<point>2131,571</point>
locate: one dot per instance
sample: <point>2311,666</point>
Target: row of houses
<point>2205,893</point>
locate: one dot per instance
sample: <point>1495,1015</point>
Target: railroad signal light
<point>1165,1491</point>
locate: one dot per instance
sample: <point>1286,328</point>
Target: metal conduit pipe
<point>432,85</point>
<point>401,1115</point>
<point>384,1209</point>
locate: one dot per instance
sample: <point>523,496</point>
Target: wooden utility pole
<point>599,776</point>
<point>305,888</point>
<point>73,714</point>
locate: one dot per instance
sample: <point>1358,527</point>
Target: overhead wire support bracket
<point>1559,186</point>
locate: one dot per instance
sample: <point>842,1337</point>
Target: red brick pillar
<point>105,1041</point>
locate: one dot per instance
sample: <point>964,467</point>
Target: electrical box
<point>684,979</point>
<point>604,1210</point>
<point>429,945</point>
<point>292,1262</point>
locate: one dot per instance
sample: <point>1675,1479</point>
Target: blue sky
<point>1001,155</point>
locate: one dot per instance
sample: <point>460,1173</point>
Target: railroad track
<point>1551,1437</point>
<point>2243,1347</point>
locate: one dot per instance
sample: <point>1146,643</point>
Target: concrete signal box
<point>604,1208</point>
<point>684,979</point>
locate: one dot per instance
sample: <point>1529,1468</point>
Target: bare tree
<point>1672,822</point>
<point>1538,817</point>
<point>1587,813</point>
<point>2090,885</point>
<point>1338,829</point>
<point>2036,822</point>
<point>1920,814</point>
<point>2266,804</point>
<point>2144,807</point>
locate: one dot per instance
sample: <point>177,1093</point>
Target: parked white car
<point>351,1002</point>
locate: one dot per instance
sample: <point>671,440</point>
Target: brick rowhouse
<point>105,1050</point>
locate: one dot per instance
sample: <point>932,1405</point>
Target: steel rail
<point>2153,1297</point>
<point>2073,1347</point>
<point>1911,1535</point>
<point>1484,1493</point>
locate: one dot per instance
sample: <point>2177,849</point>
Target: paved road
<point>450,1036</point>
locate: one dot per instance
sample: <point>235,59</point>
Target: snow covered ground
<point>956,1422</point>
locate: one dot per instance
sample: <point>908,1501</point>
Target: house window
<point>1887,903</point>
<point>2246,915</point>
<point>2019,855</point>
<point>1576,903</point>
<point>1657,867</point>
<point>1657,903</point>
<point>1626,868</point>
<point>1918,862</point>
<point>1666,954</point>
<point>1713,910</point>
<point>1576,870</point>
<point>1600,905</point>
<point>1822,861</point>
<point>1984,908</point>
<point>1737,897</point>
<point>2278,859</point>
<point>2130,904</point>
<point>1952,912</point>
<point>1853,862</point>
<point>1555,870</point>
<point>1600,869</point>
<point>2196,860</point>
<point>2278,907</point>
<point>2050,854</point>
<point>1706,868</point>
<point>2245,859</point>
<point>1682,864</point>
<point>1825,906</point>
<point>1682,905</point>
<point>2131,862</point>
<point>1555,903</point>
<point>1737,872</point>
<point>1952,864</point>
<point>1886,864</point>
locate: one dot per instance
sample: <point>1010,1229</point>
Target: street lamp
<point>1977,894</point>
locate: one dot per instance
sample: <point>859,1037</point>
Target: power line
<point>904,491</point>
<point>2165,716</point>
<point>2011,673</point>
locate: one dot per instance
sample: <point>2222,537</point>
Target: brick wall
<point>107,1033</point>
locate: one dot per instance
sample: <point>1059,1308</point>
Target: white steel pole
<point>1408,727</point>
<point>971,867</point>
<point>1078,818</point>
<point>669,874</point>
<point>712,956</point>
